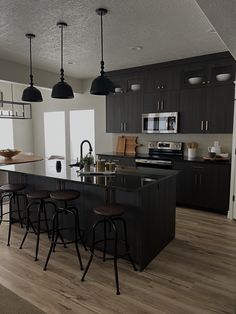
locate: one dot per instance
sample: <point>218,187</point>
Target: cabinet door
<point>169,101</point>
<point>184,183</point>
<point>161,79</point>
<point>192,110</point>
<point>113,113</point>
<point>151,102</point>
<point>131,114</point>
<point>220,109</point>
<point>214,187</point>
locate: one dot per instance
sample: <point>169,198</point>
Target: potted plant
<point>87,161</point>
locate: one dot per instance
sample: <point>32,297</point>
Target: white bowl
<point>135,87</point>
<point>118,90</point>
<point>223,77</point>
<point>195,80</point>
<point>224,155</point>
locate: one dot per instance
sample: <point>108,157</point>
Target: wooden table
<point>20,159</point>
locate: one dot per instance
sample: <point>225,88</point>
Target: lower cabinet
<point>119,160</point>
<point>203,185</point>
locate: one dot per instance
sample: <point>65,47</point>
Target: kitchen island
<point>149,197</point>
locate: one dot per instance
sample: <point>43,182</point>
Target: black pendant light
<point>31,93</point>
<point>101,85</point>
<point>62,90</point>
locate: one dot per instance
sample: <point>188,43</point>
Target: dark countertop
<point>130,179</point>
<point>147,156</point>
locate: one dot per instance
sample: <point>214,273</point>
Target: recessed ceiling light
<point>211,30</point>
<point>136,48</point>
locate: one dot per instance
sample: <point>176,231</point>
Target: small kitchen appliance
<point>163,122</point>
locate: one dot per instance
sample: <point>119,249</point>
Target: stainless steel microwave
<point>163,122</point>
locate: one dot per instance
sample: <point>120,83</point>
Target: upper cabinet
<point>124,107</point>
<point>218,72</point>
<point>201,89</point>
<point>161,79</point>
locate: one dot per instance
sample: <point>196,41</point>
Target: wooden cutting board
<point>131,144</point>
<point>120,146</point>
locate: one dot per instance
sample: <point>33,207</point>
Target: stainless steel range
<point>161,155</point>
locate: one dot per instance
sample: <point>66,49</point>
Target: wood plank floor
<point>196,273</point>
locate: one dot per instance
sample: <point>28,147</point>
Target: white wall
<point>103,141</point>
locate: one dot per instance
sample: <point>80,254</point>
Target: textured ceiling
<point>167,30</point>
<point>225,22</point>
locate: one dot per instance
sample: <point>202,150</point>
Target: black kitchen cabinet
<point>124,108</point>
<point>203,185</point>
<point>161,101</point>
<point>161,79</point>
<point>207,109</point>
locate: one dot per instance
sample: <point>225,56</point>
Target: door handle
<point>202,125</point>
<point>200,179</point>
<point>206,125</point>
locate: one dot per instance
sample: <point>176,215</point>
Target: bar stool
<point>110,213</point>
<point>37,198</point>
<point>65,196</point>
<point>11,191</point>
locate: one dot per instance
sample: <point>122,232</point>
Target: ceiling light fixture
<point>101,85</point>
<point>31,93</point>
<point>62,90</point>
<point>136,48</point>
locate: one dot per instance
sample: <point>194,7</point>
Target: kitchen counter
<point>149,199</point>
<point>147,156</point>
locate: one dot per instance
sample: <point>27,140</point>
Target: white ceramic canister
<point>192,153</point>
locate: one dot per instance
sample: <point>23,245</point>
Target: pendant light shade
<point>62,90</point>
<point>101,85</point>
<point>31,93</point>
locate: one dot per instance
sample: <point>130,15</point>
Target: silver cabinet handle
<point>162,105</point>
<point>206,125</point>
<point>202,125</point>
<point>125,126</point>
<point>200,179</point>
<point>121,126</point>
<point>158,105</point>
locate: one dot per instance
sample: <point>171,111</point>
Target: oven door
<point>164,164</point>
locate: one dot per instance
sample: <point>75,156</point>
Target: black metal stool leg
<point>127,244</point>
<point>105,240</point>
<point>52,242</point>
<point>76,241</point>
<point>18,209</point>
<point>78,227</point>
<point>1,208</point>
<point>46,218</point>
<point>92,251</point>
<point>10,220</point>
<point>56,230</point>
<point>38,229</point>
<point>115,257</point>
<point>27,225</point>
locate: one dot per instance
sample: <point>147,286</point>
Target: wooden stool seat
<point>12,187</point>
<point>39,195</point>
<point>109,210</point>
<point>64,195</point>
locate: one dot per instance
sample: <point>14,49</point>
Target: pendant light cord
<point>102,61</point>
<point>62,70</point>
<point>31,73</point>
